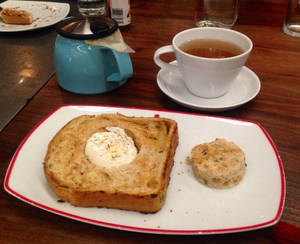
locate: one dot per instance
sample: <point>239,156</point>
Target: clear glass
<point>216,13</point>
<point>92,7</point>
<point>291,24</point>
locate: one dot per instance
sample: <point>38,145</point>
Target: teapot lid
<point>84,28</point>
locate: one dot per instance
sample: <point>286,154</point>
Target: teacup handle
<point>124,67</point>
<point>170,67</point>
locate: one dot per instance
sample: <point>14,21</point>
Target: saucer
<point>244,89</point>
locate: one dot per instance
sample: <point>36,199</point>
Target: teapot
<point>89,69</point>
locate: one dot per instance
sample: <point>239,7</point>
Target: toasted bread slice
<point>17,17</point>
<point>140,185</point>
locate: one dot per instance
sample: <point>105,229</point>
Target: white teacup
<point>206,77</point>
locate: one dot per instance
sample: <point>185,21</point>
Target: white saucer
<point>245,88</point>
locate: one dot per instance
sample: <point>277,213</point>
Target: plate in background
<point>44,14</point>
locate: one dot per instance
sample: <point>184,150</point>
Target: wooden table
<point>275,59</point>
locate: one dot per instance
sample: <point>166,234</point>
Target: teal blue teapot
<point>89,69</point>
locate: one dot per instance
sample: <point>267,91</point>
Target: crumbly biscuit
<point>218,164</point>
<point>140,185</point>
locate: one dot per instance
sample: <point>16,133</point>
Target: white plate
<point>190,207</point>
<point>44,14</point>
<point>244,89</point>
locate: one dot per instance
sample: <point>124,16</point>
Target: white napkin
<point>114,41</point>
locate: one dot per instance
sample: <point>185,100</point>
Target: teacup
<point>204,76</point>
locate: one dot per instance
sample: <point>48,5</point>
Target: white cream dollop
<point>111,148</point>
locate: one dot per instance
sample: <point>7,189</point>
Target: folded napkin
<point>285,233</point>
<point>114,41</point>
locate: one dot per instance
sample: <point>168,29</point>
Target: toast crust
<point>139,186</point>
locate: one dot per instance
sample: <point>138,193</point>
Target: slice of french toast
<point>138,185</point>
<point>16,16</point>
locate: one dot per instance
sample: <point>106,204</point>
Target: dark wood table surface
<point>275,59</point>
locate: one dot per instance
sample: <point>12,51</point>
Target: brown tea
<point>210,48</point>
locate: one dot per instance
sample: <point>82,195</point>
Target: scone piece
<point>218,164</point>
<point>15,16</point>
<point>140,185</point>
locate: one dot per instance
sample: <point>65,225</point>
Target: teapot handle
<point>124,67</point>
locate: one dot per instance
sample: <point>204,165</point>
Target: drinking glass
<point>92,7</point>
<point>216,13</point>
<point>291,24</point>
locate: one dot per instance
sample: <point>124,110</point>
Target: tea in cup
<point>208,59</point>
